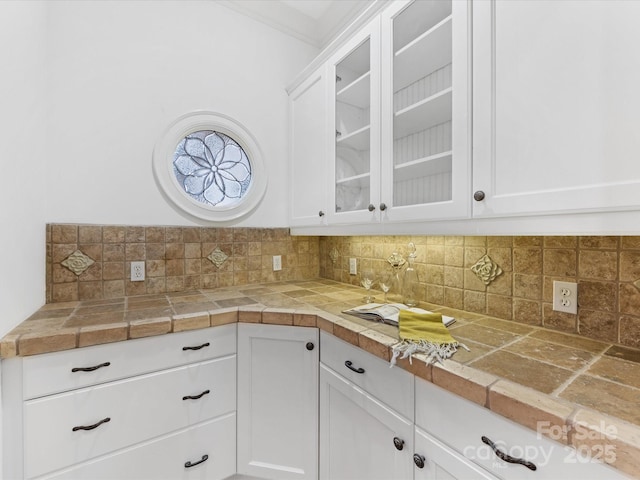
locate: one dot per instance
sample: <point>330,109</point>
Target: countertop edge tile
<point>464,381</point>
<point>620,439</point>
<point>149,327</point>
<point>541,413</point>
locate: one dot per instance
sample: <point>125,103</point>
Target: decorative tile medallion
<point>396,260</point>
<point>333,255</point>
<point>218,257</point>
<point>77,262</point>
<point>486,270</point>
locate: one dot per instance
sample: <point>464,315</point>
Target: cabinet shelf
<point>425,114</point>
<point>423,167</point>
<point>358,140</point>
<point>357,93</point>
<point>361,180</point>
<point>429,52</point>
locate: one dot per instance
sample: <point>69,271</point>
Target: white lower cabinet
<point>435,461</point>
<point>204,451</point>
<point>462,428</point>
<point>145,425</point>
<point>360,438</point>
<point>278,401</point>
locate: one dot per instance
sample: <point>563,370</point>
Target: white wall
<point>22,160</point>
<point>121,72</point>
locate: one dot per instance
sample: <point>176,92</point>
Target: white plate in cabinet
<point>360,438</point>
<point>203,452</point>
<point>392,386</point>
<point>462,425</point>
<point>62,371</point>
<point>64,429</point>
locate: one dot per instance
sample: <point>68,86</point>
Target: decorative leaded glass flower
<point>212,168</point>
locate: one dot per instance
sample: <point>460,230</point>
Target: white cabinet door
<point>354,111</point>
<point>278,401</point>
<point>202,452</point>
<point>308,150</point>
<point>426,154</point>
<point>556,106</point>
<point>360,438</point>
<point>435,461</point>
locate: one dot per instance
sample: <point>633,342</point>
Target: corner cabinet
<point>278,401</point>
<point>556,107</point>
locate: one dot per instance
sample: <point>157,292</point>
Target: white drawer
<point>392,386</point>
<point>52,372</point>
<point>461,424</point>
<point>138,409</point>
<point>165,458</point>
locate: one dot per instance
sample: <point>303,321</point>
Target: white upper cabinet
<point>556,106</point>
<point>425,110</point>
<point>399,107</point>
<point>354,112</point>
<point>308,150</point>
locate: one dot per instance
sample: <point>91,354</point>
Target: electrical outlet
<point>137,271</point>
<point>353,266</point>
<point>277,263</point>
<point>565,297</point>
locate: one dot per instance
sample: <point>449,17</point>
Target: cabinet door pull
<point>478,196</point>
<point>91,427</point>
<point>321,213</point>
<point>383,206</point>
<point>197,348</point>
<point>371,207</point>
<point>350,366</point>
<point>418,460</point>
<point>90,369</point>
<point>508,458</point>
<point>310,346</point>
<point>196,397</point>
<point>398,443</point>
<point>202,460</point>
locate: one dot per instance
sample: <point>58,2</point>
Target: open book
<point>389,312</point>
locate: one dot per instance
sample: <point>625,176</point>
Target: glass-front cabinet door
<point>355,111</point>
<point>425,110</point>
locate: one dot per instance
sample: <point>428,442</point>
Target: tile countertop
<point>524,373</point>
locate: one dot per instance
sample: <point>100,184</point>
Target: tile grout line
<point>576,374</point>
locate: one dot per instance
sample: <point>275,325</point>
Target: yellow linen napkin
<point>424,333</point>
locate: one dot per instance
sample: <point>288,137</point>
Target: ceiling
<point>316,22</point>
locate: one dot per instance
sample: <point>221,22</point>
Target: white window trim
<point>165,148</point>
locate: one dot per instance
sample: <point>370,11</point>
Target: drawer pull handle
<point>196,397</point>
<point>90,369</point>
<point>350,366</point>
<point>202,460</point>
<point>418,460</point>
<point>508,458</point>
<point>398,443</point>
<point>197,348</point>
<point>91,427</point>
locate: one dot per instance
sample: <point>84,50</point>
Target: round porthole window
<point>209,166</point>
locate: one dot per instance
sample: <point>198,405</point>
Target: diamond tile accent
<point>77,262</point>
<point>486,270</point>
<point>333,255</point>
<point>218,257</point>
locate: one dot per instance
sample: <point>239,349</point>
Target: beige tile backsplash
<point>607,269</point>
<point>175,259</point>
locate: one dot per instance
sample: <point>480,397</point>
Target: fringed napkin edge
<point>435,352</point>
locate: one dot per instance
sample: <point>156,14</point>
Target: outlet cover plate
<point>137,271</point>
<point>353,266</point>
<point>565,297</point>
<point>277,263</point>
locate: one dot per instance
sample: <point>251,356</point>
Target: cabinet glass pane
<point>422,103</point>
<point>353,138</point>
